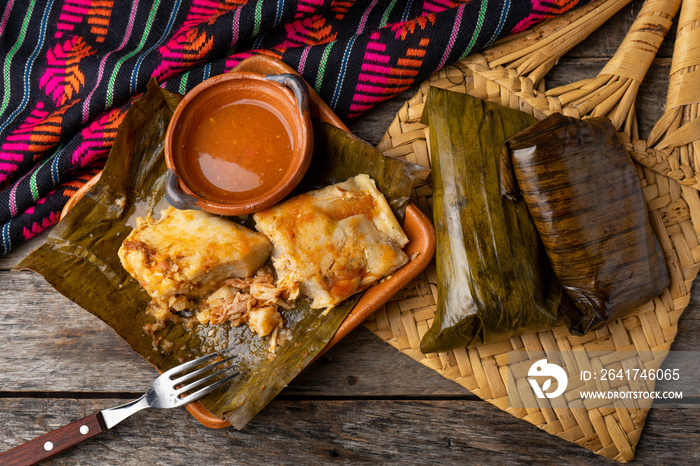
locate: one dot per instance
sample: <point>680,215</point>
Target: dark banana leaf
<point>584,195</point>
<point>79,258</point>
<point>351,156</point>
<point>494,280</point>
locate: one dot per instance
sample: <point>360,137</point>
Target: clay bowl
<point>238,143</point>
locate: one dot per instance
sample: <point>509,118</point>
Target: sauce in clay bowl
<point>238,143</point>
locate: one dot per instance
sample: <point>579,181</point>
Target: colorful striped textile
<point>71,68</point>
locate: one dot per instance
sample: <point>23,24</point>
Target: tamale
<point>584,195</point>
<point>190,252</point>
<point>79,258</point>
<point>333,242</point>
<point>493,277</point>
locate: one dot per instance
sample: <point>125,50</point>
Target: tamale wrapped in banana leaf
<point>584,195</point>
<point>79,257</point>
<point>494,280</point>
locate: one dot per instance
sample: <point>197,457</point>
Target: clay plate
<point>418,229</point>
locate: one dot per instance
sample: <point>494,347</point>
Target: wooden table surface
<point>362,402</point>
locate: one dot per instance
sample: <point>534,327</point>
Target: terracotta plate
<point>418,228</point>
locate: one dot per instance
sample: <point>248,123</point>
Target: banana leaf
<point>493,278</point>
<point>79,258</point>
<point>353,156</point>
<point>584,194</point>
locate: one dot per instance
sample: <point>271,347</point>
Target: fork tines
<point>224,374</point>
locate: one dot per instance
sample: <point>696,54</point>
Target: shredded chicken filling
<point>254,301</point>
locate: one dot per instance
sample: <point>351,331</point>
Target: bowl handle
<point>175,196</point>
<point>297,85</point>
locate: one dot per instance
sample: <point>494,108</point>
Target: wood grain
<point>69,340</point>
<point>335,431</point>
<point>53,339</point>
<point>54,442</point>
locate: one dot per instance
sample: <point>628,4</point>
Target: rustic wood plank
<point>651,98</point>
<point>604,41</point>
<point>59,347</point>
<point>10,260</point>
<point>336,431</point>
<point>372,125</point>
<point>54,338</point>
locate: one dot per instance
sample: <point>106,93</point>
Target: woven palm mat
<point>675,216</point>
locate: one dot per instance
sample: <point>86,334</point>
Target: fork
<point>171,389</point>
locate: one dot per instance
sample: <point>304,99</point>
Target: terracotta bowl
<point>238,143</point>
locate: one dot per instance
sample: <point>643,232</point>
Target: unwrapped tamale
<point>333,242</point>
<point>493,277</point>
<point>585,197</point>
<point>85,244</point>
<point>190,253</point>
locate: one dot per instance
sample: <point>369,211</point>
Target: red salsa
<point>240,151</point>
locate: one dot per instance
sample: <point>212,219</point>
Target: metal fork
<point>172,389</point>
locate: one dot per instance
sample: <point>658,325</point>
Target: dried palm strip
<point>534,52</point>
<point>499,74</point>
<point>610,432</point>
<point>676,136</point>
<point>510,73</point>
<point>613,91</point>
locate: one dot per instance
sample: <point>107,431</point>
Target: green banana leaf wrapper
<point>494,280</point>
<point>79,257</point>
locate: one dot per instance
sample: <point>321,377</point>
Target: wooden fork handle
<point>54,442</point>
